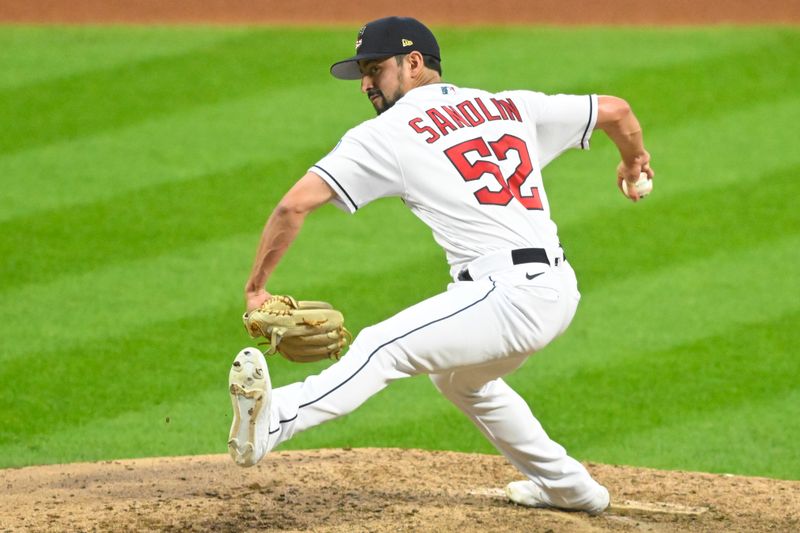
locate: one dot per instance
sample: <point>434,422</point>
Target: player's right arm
<point>281,229</point>
<point>615,117</point>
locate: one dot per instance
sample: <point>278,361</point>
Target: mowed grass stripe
<point>542,396</point>
<point>132,294</point>
<point>586,59</point>
<point>756,429</point>
<point>139,224</point>
<point>110,167</point>
<point>686,355</point>
<point>41,54</point>
<point>147,221</point>
<point>162,140</point>
<point>637,315</point>
<point>687,381</point>
<point>158,220</point>
<point>148,354</point>
<point>663,398</point>
<point>699,157</point>
<point>121,299</point>
<point>179,147</point>
<point>697,86</point>
<point>252,59</point>
<point>589,382</point>
<point>159,364</point>
<point>225,135</point>
<point>760,74</point>
<point>88,103</point>
<point>195,424</point>
<point>733,216</point>
<point>703,88</point>
<point>198,423</point>
<point>140,345</point>
<point>161,220</point>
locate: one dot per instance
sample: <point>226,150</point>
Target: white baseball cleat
<point>251,395</point>
<point>528,494</point>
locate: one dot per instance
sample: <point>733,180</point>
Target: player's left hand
<point>301,331</point>
<point>255,298</point>
<point>629,172</point>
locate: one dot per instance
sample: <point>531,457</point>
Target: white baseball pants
<point>466,339</point>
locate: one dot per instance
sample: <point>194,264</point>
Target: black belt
<point>519,257</point>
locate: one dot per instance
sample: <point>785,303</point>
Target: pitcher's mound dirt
<point>371,490</point>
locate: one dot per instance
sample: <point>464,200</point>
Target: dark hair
<point>429,62</point>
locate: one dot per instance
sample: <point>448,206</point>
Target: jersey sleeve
<point>361,168</point>
<point>562,121</point>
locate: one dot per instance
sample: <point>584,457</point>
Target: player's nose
<point>366,83</point>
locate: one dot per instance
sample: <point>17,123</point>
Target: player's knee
<point>451,387</point>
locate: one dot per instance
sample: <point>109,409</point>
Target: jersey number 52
<point>511,187</point>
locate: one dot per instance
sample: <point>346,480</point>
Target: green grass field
<point>138,166</point>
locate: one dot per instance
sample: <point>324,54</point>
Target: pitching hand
<point>629,171</point>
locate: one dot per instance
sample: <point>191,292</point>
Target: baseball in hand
<point>644,186</point>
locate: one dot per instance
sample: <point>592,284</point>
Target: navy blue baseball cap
<point>387,37</point>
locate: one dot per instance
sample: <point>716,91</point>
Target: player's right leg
<point>264,417</point>
<point>416,340</point>
<point>251,397</point>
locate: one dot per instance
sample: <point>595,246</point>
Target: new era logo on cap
<point>384,38</point>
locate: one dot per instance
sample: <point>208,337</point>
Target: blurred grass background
<point>138,165</point>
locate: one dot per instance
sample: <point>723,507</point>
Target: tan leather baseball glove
<point>301,331</point>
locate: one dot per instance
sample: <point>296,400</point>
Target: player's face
<point>382,82</point>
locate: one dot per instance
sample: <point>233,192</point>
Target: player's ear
<point>416,63</point>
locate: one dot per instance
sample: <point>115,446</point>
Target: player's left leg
<point>554,478</point>
<point>466,325</point>
<point>406,344</point>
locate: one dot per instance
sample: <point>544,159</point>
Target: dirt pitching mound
<point>371,490</point>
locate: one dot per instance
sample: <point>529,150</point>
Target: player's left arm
<point>616,118</point>
<point>281,229</point>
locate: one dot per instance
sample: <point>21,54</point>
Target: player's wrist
<point>636,161</point>
<point>252,289</point>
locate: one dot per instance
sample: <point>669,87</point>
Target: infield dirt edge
<point>371,489</point>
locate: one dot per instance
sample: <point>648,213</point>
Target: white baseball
<point>644,186</point>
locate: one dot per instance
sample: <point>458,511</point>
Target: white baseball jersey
<point>466,162</point>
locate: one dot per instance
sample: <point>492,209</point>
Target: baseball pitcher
<point>469,164</point>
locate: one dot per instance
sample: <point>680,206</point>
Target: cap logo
<point>360,36</point>
<point>406,42</point>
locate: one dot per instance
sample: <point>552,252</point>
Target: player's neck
<point>426,77</point>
